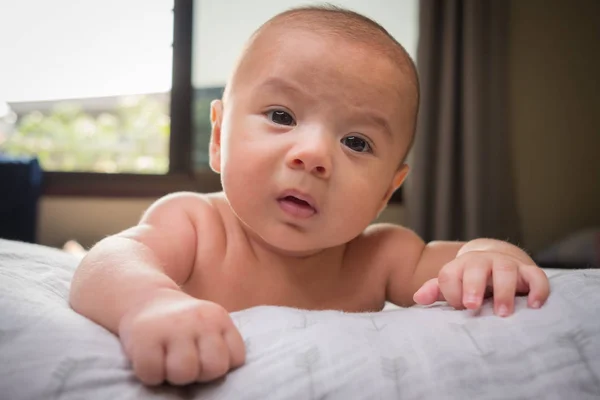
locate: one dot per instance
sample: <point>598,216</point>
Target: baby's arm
<point>130,284</point>
<point>460,272</point>
<point>128,268</point>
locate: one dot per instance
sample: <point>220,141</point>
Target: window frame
<point>181,175</point>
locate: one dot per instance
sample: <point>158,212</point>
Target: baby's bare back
<point>237,271</point>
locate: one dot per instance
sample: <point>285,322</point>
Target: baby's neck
<point>320,264</point>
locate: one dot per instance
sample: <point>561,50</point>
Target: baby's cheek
<point>355,213</point>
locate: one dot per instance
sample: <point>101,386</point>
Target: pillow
<point>50,352</point>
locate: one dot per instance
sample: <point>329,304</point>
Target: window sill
<point>87,184</point>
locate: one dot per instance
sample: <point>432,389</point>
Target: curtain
<point>461,185</point>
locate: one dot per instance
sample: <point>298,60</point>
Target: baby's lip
<point>300,196</point>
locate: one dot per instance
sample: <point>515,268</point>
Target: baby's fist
<point>180,339</point>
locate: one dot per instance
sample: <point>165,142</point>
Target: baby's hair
<point>333,20</point>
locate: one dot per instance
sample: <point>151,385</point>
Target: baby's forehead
<point>355,31</point>
<point>369,37</point>
<point>321,60</point>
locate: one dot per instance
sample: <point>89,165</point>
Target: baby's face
<point>311,138</point>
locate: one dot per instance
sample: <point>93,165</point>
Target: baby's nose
<point>318,170</point>
<point>314,158</point>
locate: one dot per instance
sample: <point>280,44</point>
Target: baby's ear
<point>216,117</point>
<point>397,181</point>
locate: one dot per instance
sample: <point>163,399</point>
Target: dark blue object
<point>20,190</point>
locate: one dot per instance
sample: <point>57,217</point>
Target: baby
<point>310,140</point>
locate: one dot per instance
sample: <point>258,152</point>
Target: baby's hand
<point>180,339</point>
<point>464,281</point>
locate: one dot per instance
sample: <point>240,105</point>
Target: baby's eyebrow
<point>277,83</point>
<point>379,121</point>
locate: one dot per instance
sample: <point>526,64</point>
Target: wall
<point>555,124</point>
<point>85,219</point>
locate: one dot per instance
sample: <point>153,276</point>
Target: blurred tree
<point>134,138</point>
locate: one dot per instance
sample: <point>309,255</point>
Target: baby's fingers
<point>428,293</point>
<point>475,281</point>
<point>505,276</point>
<point>220,351</point>
<point>149,363</point>
<point>182,361</point>
<point>237,348</point>
<point>451,283</point>
<point>539,286</point>
<point>214,357</point>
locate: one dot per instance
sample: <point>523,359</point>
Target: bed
<point>47,351</point>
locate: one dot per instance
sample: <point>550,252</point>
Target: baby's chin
<point>284,239</point>
<point>292,245</point>
<point>289,244</point>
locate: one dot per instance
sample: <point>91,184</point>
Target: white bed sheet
<point>48,351</point>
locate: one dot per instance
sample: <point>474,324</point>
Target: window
<point>114,96</point>
<point>88,90</point>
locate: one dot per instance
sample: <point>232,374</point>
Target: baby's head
<point>314,126</point>
<point>338,24</point>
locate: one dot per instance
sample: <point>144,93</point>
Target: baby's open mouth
<point>298,201</point>
<point>296,206</point>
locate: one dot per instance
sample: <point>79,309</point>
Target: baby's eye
<point>357,144</point>
<point>281,117</point>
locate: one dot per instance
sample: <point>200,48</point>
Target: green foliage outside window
<point>134,137</point>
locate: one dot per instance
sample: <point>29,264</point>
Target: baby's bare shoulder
<point>188,214</point>
<point>389,245</point>
<point>196,206</point>
<point>385,234</point>
<point>205,215</point>
<point>185,200</point>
